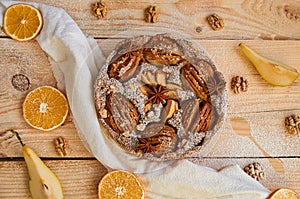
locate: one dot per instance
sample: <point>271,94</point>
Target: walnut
<point>62,146</point>
<point>125,66</point>
<point>193,79</point>
<point>239,84</point>
<point>99,9</point>
<point>255,170</point>
<point>215,21</point>
<point>151,14</point>
<point>159,57</point>
<point>20,82</point>
<point>292,124</point>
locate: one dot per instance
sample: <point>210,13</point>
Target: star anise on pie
<point>156,89</point>
<point>146,145</point>
<point>215,85</point>
<point>156,93</point>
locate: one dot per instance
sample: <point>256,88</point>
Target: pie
<point>160,97</point>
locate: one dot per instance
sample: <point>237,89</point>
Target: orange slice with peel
<point>22,22</point>
<point>45,108</point>
<point>284,193</point>
<point>120,184</point>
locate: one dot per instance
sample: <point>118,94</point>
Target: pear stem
<point>18,136</point>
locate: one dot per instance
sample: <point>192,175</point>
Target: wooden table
<point>270,27</point>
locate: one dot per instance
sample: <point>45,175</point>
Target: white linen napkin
<point>76,60</point>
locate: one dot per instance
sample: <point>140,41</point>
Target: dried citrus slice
<point>284,193</point>
<point>22,22</point>
<point>45,108</point>
<point>120,185</point>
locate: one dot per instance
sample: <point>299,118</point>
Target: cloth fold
<point>76,61</point>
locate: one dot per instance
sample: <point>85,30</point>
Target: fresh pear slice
<point>43,183</point>
<point>275,73</point>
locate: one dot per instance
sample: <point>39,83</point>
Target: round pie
<point>160,97</point>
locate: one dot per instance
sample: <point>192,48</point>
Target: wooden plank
<point>247,19</point>
<point>290,178</point>
<point>267,131</point>
<point>84,184</point>
<point>14,177</point>
<point>264,106</point>
<point>27,58</point>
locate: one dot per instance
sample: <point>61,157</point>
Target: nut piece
<point>239,84</point>
<point>99,9</point>
<point>292,124</point>
<point>170,109</point>
<point>197,116</point>
<point>159,57</point>
<point>122,115</point>
<point>125,66</point>
<point>255,170</point>
<point>151,14</point>
<point>215,21</point>
<point>194,80</point>
<point>61,146</point>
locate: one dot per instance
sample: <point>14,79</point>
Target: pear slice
<point>275,73</point>
<point>43,183</point>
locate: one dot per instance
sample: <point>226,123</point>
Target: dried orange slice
<point>45,108</point>
<point>22,22</point>
<point>120,184</point>
<point>284,193</point>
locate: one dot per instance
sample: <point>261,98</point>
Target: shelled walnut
<point>239,84</point>
<point>151,14</point>
<point>255,170</point>
<point>215,21</point>
<point>62,146</point>
<point>100,9</point>
<point>292,124</point>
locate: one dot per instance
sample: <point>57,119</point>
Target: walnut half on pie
<point>160,97</point>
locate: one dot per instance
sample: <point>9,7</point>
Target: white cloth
<point>76,60</point>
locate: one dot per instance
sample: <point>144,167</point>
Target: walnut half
<point>62,146</point>
<point>151,14</point>
<point>215,21</point>
<point>99,9</point>
<point>292,124</point>
<point>255,170</point>
<point>239,84</point>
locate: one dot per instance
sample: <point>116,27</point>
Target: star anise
<point>156,93</point>
<point>157,89</point>
<point>146,145</point>
<point>215,86</point>
<point>157,138</point>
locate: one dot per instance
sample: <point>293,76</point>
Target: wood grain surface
<point>248,19</point>
<point>84,184</point>
<point>254,128</point>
